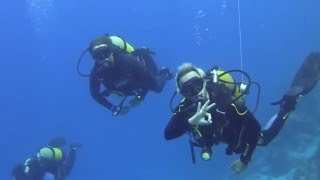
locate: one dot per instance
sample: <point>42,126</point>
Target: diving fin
<point>304,81</point>
<point>307,76</point>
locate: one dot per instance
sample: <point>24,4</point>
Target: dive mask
<point>192,87</point>
<point>101,53</point>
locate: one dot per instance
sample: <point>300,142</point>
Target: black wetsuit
<point>38,168</point>
<point>232,123</point>
<point>130,75</point>
<point>275,124</point>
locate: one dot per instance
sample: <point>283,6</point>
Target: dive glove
<point>202,117</point>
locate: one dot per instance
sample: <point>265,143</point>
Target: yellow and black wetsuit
<point>232,124</point>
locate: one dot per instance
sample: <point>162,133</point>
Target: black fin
<point>308,74</point>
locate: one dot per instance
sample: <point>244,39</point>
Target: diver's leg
<point>275,124</point>
<point>273,127</point>
<point>304,81</point>
<point>151,65</point>
<point>156,82</point>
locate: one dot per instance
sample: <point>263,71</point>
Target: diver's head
<point>50,154</point>
<point>58,142</point>
<point>190,81</point>
<point>100,48</point>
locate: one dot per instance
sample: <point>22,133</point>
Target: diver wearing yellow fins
<point>213,110</point>
<point>50,162</point>
<point>124,71</point>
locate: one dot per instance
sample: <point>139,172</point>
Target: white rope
<point>240,38</point>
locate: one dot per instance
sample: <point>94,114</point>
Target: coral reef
<point>309,168</point>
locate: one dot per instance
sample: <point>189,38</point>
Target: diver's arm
<point>251,134</point>
<point>95,90</point>
<point>176,127</point>
<point>178,124</point>
<point>245,157</point>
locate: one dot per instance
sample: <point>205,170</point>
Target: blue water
<point>42,95</point>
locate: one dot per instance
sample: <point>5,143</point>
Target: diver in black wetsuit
<point>211,115</point>
<point>125,71</point>
<point>51,161</point>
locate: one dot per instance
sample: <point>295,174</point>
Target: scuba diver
<point>123,71</point>
<point>50,162</point>
<point>213,110</point>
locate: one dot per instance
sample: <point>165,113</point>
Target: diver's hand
<point>238,166</point>
<point>202,117</point>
